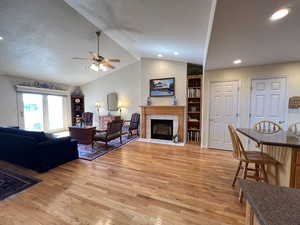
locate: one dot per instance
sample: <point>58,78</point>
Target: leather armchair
<point>134,124</point>
<point>114,130</point>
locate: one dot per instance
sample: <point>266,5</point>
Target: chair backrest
<point>238,148</point>
<point>135,121</point>
<point>88,118</point>
<point>114,126</point>
<point>295,128</point>
<point>267,127</point>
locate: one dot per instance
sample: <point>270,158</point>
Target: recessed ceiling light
<point>159,55</point>
<point>280,14</point>
<point>1,38</point>
<point>176,53</point>
<point>237,61</point>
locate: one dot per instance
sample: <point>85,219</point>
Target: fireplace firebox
<point>162,129</point>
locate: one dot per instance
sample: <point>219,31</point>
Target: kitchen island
<point>271,205</point>
<point>283,146</point>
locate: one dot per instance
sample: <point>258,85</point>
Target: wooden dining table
<point>284,146</point>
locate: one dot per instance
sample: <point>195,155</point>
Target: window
<point>33,112</point>
<point>55,112</point>
<point>41,112</point>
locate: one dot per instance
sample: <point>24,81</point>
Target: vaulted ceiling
<point>147,28</point>
<point>42,36</point>
<point>242,30</point>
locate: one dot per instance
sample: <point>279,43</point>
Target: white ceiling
<point>242,30</point>
<point>41,37</point>
<point>149,27</point>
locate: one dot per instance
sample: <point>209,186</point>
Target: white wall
<point>245,75</point>
<point>132,85</point>
<point>156,68</point>
<point>8,103</point>
<point>125,82</point>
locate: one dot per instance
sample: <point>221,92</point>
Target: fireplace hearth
<point>162,129</point>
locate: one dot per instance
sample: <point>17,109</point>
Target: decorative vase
<point>174,100</point>
<point>175,138</point>
<point>149,101</point>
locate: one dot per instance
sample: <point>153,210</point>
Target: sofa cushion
<point>39,136</point>
<point>50,136</point>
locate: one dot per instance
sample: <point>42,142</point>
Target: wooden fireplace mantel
<point>163,110</point>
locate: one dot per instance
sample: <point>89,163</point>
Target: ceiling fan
<point>98,62</point>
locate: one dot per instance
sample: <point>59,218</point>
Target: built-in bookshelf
<point>194,88</point>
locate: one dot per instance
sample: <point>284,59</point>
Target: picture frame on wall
<point>163,87</point>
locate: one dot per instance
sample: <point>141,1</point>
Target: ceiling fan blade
<point>108,65</point>
<point>94,55</point>
<point>79,58</point>
<point>112,60</point>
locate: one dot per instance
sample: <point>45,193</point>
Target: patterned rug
<point>12,183</point>
<point>86,151</point>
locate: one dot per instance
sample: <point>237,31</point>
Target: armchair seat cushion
<point>100,136</point>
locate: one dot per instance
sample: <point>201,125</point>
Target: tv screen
<point>162,87</point>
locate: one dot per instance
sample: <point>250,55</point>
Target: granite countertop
<point>281,138</point>
<point>273,205</point>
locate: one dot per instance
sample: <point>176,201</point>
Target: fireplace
<point>162,129</point>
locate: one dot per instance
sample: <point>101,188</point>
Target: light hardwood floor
<point>140,184</point>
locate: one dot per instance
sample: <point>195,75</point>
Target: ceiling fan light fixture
<point>98,62</point>
<point>103,68</point>
<point>94,67</point>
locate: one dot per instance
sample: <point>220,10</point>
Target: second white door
<point>223,111</point>
<point>268,101</point>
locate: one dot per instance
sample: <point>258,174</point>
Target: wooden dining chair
<point>246,158</point>
<point>267,127</point>
<point>295,128</point>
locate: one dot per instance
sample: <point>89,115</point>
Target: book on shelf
<point>194,136</point>
<point>194,93</point>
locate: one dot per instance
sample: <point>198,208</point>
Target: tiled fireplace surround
<point>174,118</point>
<point>175,113</point>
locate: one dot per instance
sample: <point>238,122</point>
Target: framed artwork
<point>162,87</point>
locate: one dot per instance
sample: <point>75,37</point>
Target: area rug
<point>88,153</point>
<point>12,183</point>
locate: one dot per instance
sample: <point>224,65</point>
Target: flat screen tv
<point>162,87</point>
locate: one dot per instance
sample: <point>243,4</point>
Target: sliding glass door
<point>55,112</point>
<point>33,112</point>
<point>40,112</point>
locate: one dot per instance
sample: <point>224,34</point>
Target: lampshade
<point>98,105</point>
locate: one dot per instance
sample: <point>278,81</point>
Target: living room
<point>149,112</point>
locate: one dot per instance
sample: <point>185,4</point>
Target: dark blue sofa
<point>34,150</point>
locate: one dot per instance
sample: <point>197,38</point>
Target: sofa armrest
<point>13,145</point>
<point>56,152</point>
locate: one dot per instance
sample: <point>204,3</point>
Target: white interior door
<point>223,111</point>
<point>268,101</point>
